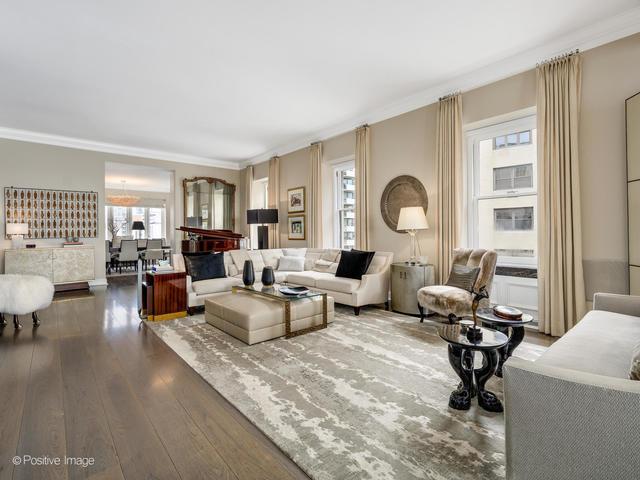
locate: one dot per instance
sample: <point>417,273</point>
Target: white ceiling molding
<point>82,144</point>
<point>600,33</point>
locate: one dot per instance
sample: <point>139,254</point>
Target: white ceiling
<point>228,81</point>
<point>137,177</point>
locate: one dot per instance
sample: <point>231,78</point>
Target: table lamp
<point>17,232</point>
<point>411,220</point>
<point>138,226</point>
<point>262,216</point>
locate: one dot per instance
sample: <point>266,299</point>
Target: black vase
<point>248,275</point>
<point>268,277</point>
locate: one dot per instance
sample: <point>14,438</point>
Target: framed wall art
<point>297,227</point>
<point>296,199</point>
<point>52,213</point>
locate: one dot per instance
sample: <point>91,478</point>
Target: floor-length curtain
<point>274,199</point>
<point>449,181</point>
<point>315,196</point>
<point>561,297</point>
<point>248,194</point>
<point>363,160</point>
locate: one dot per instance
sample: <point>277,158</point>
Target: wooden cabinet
<point>164,295</point>
<point>67,268</point>
<point>406,280</point>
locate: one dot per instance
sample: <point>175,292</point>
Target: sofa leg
<point>36,320</point>
<point>386,305</point>
<point>356,311</point>
<point>421,310</point>
<point>16,322</point>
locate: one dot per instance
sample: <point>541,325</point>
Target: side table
<point>164,295</point>
<point>461,358</point>
<point>489,319</point>
<point>406,280</point>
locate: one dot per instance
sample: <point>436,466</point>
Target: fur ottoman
<point>23,294</point>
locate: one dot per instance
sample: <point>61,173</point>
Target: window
<point>154,219</point>
<point>259,199</point>
<point>512,140</point>
<point>503,183</point>
<point>513,177</point>
<point>345,188</point>
<point>513,219</point>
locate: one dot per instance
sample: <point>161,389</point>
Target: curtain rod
<point>449,95</point>
<point>559,57</point>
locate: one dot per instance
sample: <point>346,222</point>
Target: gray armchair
<point>454,302</point>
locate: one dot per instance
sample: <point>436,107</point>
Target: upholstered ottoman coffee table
<point>256,315</point>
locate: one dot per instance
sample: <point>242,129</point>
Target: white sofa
<point>573,413</point>
<point>319,274</point>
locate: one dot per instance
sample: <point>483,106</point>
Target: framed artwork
<point>52,213</point>
<point>297,227</point>
<point>296,200</point>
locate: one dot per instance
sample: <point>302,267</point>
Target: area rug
<point>365,398</point>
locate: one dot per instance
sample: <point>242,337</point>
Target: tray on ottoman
<point>257,314</point>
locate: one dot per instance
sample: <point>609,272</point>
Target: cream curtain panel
<point>274,199</point>
<point>315,196</point>
<point>363,160</point>
<point>248,193</point>
<point>561,297</point>
<point>449,181</point>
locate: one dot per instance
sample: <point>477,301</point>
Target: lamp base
<point>263,237</point>
<point>17,241</point>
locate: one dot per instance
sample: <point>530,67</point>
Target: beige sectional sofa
<point>320,266</point>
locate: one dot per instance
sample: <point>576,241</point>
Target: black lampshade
<point>137,226</point>
<point>262,215</point>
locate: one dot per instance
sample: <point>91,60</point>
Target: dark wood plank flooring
<point>91,383</point>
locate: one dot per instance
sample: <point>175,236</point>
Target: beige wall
<point>34,165</point>
<point>405,145</point>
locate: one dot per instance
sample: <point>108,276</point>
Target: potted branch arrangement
<point>114,227</point>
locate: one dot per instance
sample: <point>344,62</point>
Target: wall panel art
<point>52,213</point>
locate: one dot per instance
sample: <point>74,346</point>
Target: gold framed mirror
<point>209,203</point>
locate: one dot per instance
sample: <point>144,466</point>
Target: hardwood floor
<point>90,383</point>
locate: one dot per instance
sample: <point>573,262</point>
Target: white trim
<point>82,144</point>
<point>599,33</point>
<point>98,282</point>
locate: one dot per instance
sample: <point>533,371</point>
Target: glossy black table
<point>461,357</point>
<point>514,329</point>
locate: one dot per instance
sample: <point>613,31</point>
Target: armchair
<point>453,302</point>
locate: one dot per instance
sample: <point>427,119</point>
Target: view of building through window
<point>505,193</point>
<point>345,203</point>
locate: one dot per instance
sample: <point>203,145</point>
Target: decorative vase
<point>248,275</point>
<point>268,277</point>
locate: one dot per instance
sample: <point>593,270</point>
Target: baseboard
<point>98,282</point>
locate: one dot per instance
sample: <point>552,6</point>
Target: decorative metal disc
<point>402,191</point>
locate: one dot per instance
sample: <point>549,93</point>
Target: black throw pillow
<point>354,264</point>
<point>205,267</point>
<point>370,259</point>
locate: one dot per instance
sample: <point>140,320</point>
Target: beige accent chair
<point>453,302</point>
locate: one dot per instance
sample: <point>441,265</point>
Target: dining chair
<point>153,252</point>
<point>128,254</point>
<point>142,243</point>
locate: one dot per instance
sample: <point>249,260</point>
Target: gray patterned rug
<point>364,399</point>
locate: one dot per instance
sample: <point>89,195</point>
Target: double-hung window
<point>345,202</point>
<point>503,191</point>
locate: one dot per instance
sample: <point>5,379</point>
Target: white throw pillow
<point>294,252</point>
<point>291,264</point>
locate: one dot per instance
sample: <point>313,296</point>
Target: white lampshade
<point>17,229</point>
<point>412,218</point>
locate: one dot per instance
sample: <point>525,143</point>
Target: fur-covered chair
<point>455,302</point>
<point>24,294</point>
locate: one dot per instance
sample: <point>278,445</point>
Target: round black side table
<point>461,357</point>
<point>490,320</point>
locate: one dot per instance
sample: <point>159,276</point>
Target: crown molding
<point>82,144</point>
<point>599,33</point>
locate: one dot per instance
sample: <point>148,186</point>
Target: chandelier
<point>124,199</point>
